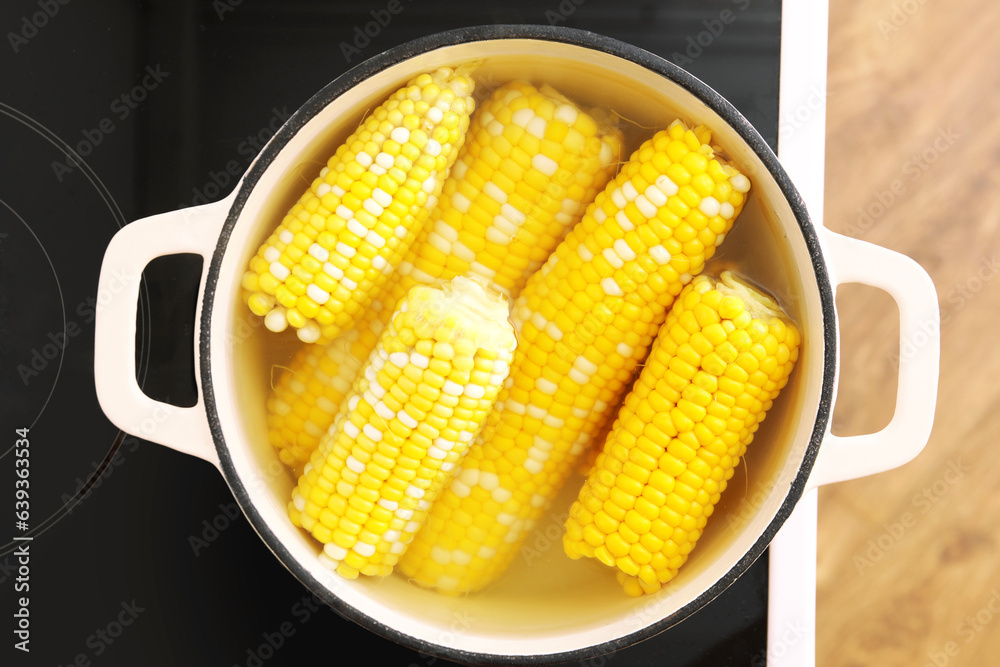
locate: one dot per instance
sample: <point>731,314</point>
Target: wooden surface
<point>909,560</point>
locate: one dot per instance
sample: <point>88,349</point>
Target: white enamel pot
<point>548,608</point>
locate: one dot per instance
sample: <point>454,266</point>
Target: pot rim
<point>586,39</point>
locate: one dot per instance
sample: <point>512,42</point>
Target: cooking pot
<point>547,608</point>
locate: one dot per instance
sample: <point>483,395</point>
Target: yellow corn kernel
<point>680,476</point>
<point>333,250</point>
<point>623,258</point>
<point>370,447</point>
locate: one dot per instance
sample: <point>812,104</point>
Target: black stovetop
<point>139,556</point>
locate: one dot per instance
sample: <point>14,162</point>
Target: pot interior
<point>547,603</point>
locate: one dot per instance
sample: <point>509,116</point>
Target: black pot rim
<point>610,46</point>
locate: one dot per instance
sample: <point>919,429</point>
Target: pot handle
<point>842,458</point>
<point>190,230</point>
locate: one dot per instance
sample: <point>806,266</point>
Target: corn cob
<point>585,321</point>
<point>493,194</point>
<point>531,164</point>
<point>307,395</point>
<point>719,361</point>
<point>333,250</point>
<point>418,403</point>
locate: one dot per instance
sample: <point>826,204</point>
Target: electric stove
<point>110,112</point>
